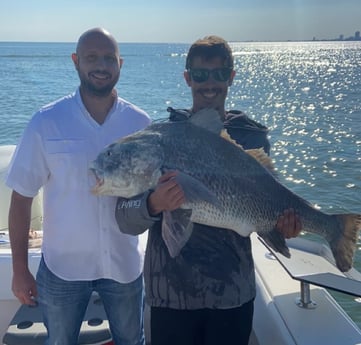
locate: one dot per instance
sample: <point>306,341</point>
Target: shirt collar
<point>85,111</point>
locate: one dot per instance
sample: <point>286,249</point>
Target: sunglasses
<point>200,75</point>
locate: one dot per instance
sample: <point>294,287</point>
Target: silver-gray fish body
<point>224,186</point>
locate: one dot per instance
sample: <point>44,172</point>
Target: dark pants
<point>201,326</point>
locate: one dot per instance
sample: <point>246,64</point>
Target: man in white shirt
<point>83,249</point>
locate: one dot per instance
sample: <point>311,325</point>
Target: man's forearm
<point>19,224</point>
<point>132,215</point>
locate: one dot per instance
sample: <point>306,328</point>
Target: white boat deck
<point>279,320</point>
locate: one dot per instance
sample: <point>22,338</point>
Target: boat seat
<point>27,327</point>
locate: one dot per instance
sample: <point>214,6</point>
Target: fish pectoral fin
<point>176,230</point>
<point>276,241</point>
<point>195,191</point>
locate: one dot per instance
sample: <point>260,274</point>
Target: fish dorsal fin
<point>208,119</point>
<point>261,157</point>
<point>225,135</point>
<point>258,154</point>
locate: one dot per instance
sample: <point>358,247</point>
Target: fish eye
<point>109,153</point>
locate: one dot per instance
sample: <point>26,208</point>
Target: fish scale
<point>224,186</point>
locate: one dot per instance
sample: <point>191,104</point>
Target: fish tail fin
<point>276,241</point>
<point>343,246</point>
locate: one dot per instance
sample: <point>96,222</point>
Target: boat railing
<point>312,262</point>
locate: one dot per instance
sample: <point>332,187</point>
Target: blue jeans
<point>64,304</point>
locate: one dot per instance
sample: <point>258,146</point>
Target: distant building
<point>357,37</point>
<point>341,37</point>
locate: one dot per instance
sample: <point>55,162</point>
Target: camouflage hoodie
<point>215,268</point>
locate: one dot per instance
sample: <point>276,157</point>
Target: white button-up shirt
<point>81,239</point>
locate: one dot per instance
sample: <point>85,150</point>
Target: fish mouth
<point>99,182</point>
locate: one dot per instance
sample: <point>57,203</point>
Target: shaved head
<point>96,34</point>
<point>98,62</point>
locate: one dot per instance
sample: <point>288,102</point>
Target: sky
<point>179,21</point>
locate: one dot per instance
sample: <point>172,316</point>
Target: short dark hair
<point>208,48</point>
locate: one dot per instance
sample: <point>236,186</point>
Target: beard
<point>93,89</point>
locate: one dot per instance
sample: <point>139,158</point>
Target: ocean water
<point>307,93</point>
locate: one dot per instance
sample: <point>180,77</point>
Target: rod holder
<point>304,301</point>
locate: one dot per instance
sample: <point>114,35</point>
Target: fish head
<point>127,168</point>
